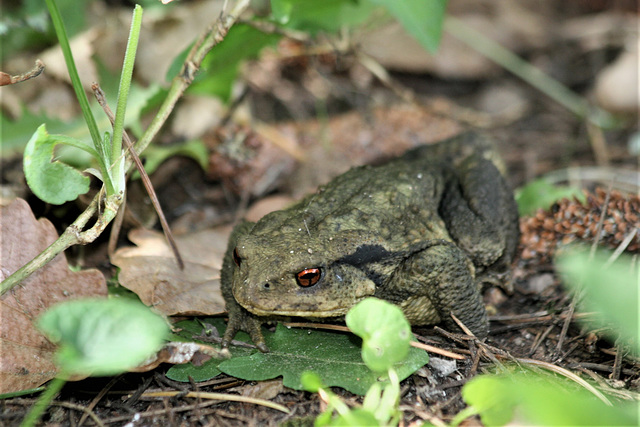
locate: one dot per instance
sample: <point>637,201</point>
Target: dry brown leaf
<point>25,354</point>
<point>150,270</point>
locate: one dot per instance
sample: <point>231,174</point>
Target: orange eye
<point>308,277</point>
<point>236,257</point>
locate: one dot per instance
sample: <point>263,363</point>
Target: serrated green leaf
<point>541,400</point>
<point>611,292</point>
<point>102,336</point>
<point>421,18</point>
<point>334,357</point>
<point>209,369</point>
<point>52,181</point>
<point>541,194</point>
<point>384,330</point>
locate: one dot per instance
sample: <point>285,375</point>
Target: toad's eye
<point>236,257</point>
<point>308,277</point>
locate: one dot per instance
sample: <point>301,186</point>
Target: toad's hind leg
<point>439,281</point>
<point>480,212</point>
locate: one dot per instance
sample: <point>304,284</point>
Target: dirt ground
<point>535,136</point>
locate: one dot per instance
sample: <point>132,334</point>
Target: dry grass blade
<point>621,248</point>
<point>567,374</point>
<point>219,396</point>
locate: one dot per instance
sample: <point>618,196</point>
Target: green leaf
<point>311,381</point>
<point>421,18</point>
<point>334,357</point>
<point>384,330</point>
<point>355,418</point>
<point>220,66</point>
<point>209,369</point>
<point>316,16</point>
<point>541,194</point>
<point>612,292</point>
<point>102,336</point>
<point>541,400</point>
<point>52,181</point>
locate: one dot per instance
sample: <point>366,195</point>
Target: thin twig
<point>99,94</point>
<point>7,79</point>
<point>219,396</point>
<point>88,412</point>
<point>621,248</point>
<point>617,361</point>
<point>95,400</point>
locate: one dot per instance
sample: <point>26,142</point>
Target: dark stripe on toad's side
<point>366,254</point>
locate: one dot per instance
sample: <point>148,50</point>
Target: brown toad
<point>423,231</point>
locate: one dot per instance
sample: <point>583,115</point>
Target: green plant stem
<point>123,94</point>
<point>43,402</point>
<point>61,33</point>
<point>73,235</point>
<point>527,72</point>
<point>210,38</point>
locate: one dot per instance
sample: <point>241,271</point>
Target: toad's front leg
<point>432,284</point>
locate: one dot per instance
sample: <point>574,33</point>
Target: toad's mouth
<point>318,308</point>
<point>307,310</point>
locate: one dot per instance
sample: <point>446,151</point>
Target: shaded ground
<point>530,323</point>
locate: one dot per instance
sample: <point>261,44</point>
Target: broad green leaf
<point>421,18</point>
<point>220,66</point>
<point>315,16</point>
<point>540,399</point>
<point>541,194</point>
<point>334,357</point>
<point>384,330</point>
<point>52,181</point>
<point>209,369</point>
<point>102,336</point>
<point>611,292</point>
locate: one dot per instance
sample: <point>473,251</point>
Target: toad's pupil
<point>308,277</point>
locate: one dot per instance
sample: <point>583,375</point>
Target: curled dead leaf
<point>150,270</point>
